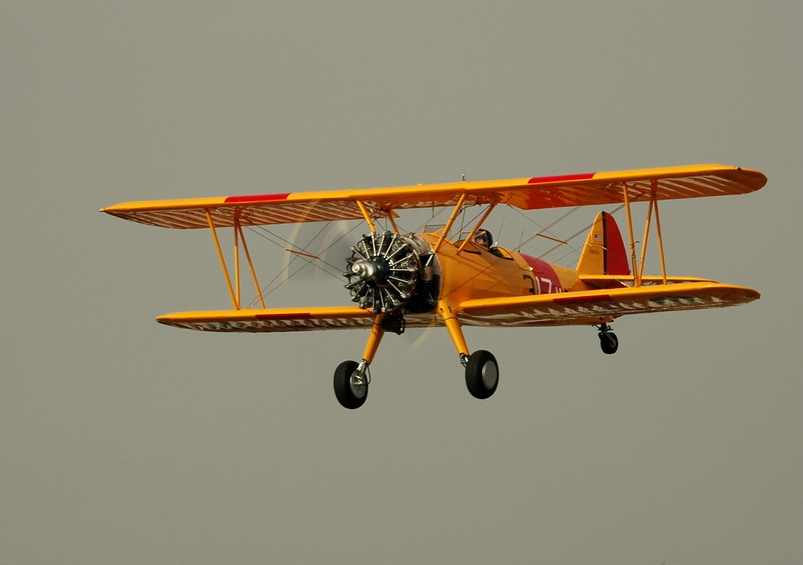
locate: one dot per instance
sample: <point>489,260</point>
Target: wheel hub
<point>490,374</point>
<point>358,385</point>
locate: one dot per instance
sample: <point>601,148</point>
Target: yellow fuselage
<point>476,272</point>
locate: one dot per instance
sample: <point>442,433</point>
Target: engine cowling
<point>386,270</point>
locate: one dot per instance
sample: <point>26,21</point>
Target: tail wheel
<point>351,388</point>
<point>608,342</point>
<point>482,374</point>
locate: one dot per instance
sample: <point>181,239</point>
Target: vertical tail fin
<point>604,251</point>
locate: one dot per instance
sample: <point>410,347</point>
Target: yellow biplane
<point>444,277</point>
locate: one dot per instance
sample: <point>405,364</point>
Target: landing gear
<point>608,341</point>
<point>351,384</point>
<point>388,274</point>
<point>482,374</point>
<point>482,370</point>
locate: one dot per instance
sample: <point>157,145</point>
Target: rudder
<point>604,251</point>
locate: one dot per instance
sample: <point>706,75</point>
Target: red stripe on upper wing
<point>257,198</point>
<point>560,178</point>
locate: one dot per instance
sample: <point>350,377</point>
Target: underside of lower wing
<point>599,306</point>
<point>283,319</point>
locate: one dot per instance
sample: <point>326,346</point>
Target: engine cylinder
<point>384,269</point>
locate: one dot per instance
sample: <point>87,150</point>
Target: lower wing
<point>584,307</point>
<point>598,306</point>
<point>283,319</point>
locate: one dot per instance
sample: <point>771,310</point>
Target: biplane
<point>447,278</point>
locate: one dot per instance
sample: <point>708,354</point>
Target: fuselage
<point>410,277</point>
<point>478,272</point>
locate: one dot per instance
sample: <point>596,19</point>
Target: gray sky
<point>123,441</point>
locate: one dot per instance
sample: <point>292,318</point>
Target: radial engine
<point>390,273</point>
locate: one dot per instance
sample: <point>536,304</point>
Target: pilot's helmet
<point>483,237</point>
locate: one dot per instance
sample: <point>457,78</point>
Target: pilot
<point>484,239</point>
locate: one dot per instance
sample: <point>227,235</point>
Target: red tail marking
<point>615,255</point>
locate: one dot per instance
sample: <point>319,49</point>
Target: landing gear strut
<point>482,370</point>
<point>608,341</point>
<point>352,378</point>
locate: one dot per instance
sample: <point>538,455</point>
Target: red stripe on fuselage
<point>546,279</point>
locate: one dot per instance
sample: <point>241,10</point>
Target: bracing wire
<point>280,241</point>
<point>543,230</point>
<point>573,236</point>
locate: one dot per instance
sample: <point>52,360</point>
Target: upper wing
<point>282,319</point>
<point>587,307</point>
<point>526,193</point>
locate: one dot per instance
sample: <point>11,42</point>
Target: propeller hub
<point>375,269</point>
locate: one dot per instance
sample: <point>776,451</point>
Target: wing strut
<point>392,221</point>
<point>626,196</point>
<point>251,266</point>
<point>366,215</point>
<point>234,301</point>
<point>470,236</point>
<point>448,225</point>
<point>239,236</point>
<point>638,270</point>
<point>658,228</point>
<point>236,235</point>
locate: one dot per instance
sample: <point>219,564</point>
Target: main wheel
<point>482,374</point>
<point>608,342</point>
<point>350,389</point>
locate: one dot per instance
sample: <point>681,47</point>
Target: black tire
<point>609,343</point>
<point>482,374</point>
<point>349,396</point>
